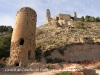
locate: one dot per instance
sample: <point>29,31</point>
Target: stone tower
<point>22,49</point>
<point>48,16</point>
<point>75,16</point>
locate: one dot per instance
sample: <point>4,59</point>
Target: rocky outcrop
<point>78,53</point>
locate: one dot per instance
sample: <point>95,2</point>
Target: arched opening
<point>16,64</point>
<point>57,18</point>
<point>21,41</point>
<point>72,18</point>
<point>29,54</point>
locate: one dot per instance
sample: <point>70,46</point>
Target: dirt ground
<point>31,69</point>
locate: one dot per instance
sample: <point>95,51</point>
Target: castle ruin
<point>48,16</point>
<point>22,49</point>
<point>60,18</point>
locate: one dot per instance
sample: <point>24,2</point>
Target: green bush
<point>47,53</point>
<point>6,29</point>
<point>64,73</point>
<point>80,25</point>
<point>90,19</point>
<point>82,19</point>
<point>5,46</point>
<point>49,60</point>
<point>38,54</point>
<point>97,19</point>
<point>58,60</point>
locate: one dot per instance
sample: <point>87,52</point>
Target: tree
<point>38,54</point>
<point>5,41</point>
<point>97,19</point>
<point>87,18</point>
<point>91,19</point>
<point>5,46</point>
<point>82,19</point>
<point>5,28</point>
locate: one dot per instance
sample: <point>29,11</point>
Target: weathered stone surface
<point>75,16</point>
<point>48,16</point>
<point>76,53</point>
<point>60,18</point>
<point>23,38</point>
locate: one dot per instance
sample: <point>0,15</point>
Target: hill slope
<point>70,43</point>
<point>50,36</point>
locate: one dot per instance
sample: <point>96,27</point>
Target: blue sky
<point>9,8</point>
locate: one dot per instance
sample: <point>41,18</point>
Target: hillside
<point>76,42</point>
<point>59,43</point>
<point>5,39</point>
<point>50,35</point>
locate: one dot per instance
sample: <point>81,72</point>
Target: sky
<point>9,8</point>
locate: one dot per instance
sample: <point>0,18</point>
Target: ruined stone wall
<point>75,16</point>
<point>48,16</point>
<point>61,18</point>
<point>65,17</point>
<point>23,38</point>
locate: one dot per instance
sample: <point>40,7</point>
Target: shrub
<point>82,19</point>
<point>38,54</point>
<point>64,73</point>
<point>61,51</point>
<point>5,46</point>
<point>49,60</point>
<point>58,60</point>
<point>80,25</point>
<point>47,53</point>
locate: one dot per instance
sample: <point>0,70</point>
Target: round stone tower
<point>22,49</point>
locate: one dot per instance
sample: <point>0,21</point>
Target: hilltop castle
<point>22,50</point>
<point>60,18</point>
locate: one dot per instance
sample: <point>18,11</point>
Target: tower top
<point>26,9</point>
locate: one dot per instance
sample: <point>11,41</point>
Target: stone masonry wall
<point>23,38</point>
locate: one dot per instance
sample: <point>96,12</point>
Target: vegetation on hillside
<point>64,73</point>
<point>7,29</point>
<point>49,37</point>
<point>4,46</point>
<point>80,25</point>
<point>5,38</point>
<point>90,19</point>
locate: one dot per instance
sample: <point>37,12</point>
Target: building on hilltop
<point>22,49</point>
<point>60,18</point>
